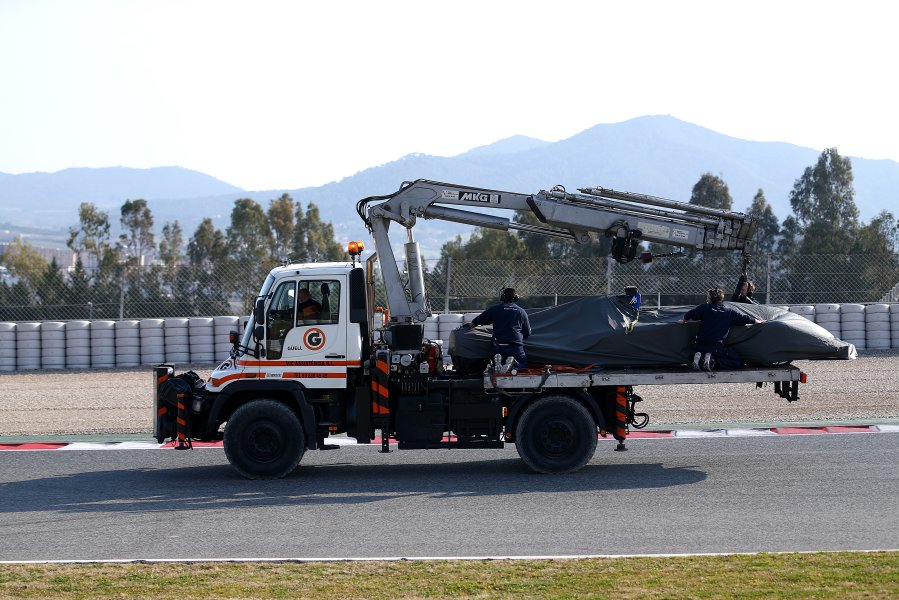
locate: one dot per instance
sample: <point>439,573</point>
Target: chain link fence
<point>471,285</point>
<point>673,281</point>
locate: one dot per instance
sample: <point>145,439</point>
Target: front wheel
<point>556,434</point>
<point>264,440</point>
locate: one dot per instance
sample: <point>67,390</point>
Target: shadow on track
<point>212,487</point>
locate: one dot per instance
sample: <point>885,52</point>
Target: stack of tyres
<point>431,328</point>
<point>894,325</point>
<point>469,316</point>
<point>78,344</point>
<point>202,339</point>
<point>7,346</point>
<point>102,344</point>
<point>806,310</point>
<point>53,345</point>
<point>177,341</point>
<point>446,323</point>
<point>28,346</point>
<point>828,317</point>
<point>152,341</point>
<point>222,328</point>
<point>877,326</point>
<point>127,343</point>
<point>852,324</point>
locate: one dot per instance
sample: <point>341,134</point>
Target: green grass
<point>821,575</point>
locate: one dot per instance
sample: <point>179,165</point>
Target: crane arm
<point>626,217</point>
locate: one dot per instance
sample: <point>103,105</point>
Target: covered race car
<point>605,331</point>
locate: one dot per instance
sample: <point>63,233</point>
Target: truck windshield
<point>251,324</point>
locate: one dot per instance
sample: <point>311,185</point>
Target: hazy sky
<point>269,95</point>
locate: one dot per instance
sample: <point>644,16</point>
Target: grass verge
<point>819,575</point>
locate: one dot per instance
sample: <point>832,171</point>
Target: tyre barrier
<point>7,346</point>
<point>177,340</point>
<point>28,346</point>
<point>201,334</point>
<point>446,323</point>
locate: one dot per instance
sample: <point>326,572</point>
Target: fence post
<point>768,280</point>
<point>608,276</point>
<point>449,270</point>
<point>122,297</point>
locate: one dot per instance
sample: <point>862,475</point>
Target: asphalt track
<point>665,495</point>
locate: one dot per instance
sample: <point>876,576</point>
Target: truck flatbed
<point>629,377</point>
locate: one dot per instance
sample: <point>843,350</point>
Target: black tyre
<point>264,440</point>
<point>556,434</point>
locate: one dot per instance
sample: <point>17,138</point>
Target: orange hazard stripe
<point>380,389</point>
<point>295,375</point>
<point>382,366</point>
<point>219,381</point>
<point>620,430</point>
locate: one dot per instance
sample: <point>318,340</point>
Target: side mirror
<point>259,311</point>
<point>259,332</point>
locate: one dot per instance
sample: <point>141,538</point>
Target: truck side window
<point>280,317</point>
<point>318,302</point>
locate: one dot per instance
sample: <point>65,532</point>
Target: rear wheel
<point>556,434</point>
<point>264,440</point>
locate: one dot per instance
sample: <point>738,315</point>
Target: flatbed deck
<point>617,377</point>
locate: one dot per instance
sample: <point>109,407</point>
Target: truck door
<point>314,348</point>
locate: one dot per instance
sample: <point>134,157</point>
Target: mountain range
<point>656,155</point>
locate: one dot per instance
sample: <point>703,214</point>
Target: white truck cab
<point>307,336</point>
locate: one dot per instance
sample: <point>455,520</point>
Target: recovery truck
<point>296,378</point>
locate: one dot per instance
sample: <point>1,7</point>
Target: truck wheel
<point>264,440</point>
<point>556,434</point>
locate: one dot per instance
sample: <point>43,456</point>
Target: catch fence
<point>471,284</point>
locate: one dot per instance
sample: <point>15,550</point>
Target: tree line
<point>824,224</point>
<point>199,276</point>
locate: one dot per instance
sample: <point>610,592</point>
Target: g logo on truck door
<point>314,338</point>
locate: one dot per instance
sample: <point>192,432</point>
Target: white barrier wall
<point>107,344</point>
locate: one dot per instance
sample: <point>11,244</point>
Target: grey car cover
<point>604,331</point>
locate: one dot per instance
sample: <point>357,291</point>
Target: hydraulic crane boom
<point>625,217</point>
